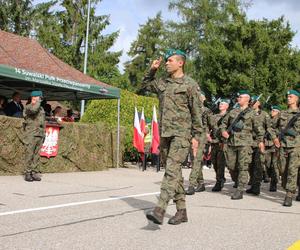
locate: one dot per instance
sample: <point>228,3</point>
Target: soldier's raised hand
<point>156,63</point>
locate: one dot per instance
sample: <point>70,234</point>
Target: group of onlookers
<point>15,108</point>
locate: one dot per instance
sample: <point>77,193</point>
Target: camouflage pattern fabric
<point>34,132</point>
<point>180,120</point>
<point>290,150</point>
<point>176,149</point>
<point>218,161</point>
<point>238,151</point>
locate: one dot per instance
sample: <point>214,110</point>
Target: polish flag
<point>155,133</point>
<point>138,137</point>
<point>143,123</point>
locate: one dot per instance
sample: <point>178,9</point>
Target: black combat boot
<point>273,186</point>
<point>237,195</point>
<point>28,177</point>
<point>218,187</point>
<point>298,196</point>
<point>180,216</point>
<point>35,176</point>
<point>200,188</point>
<point>156,215</point>
<point>190,190</point>
<point>255,190</point>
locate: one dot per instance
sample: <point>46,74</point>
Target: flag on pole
<point>138,137</point>
<point>155,133</point>
<point>143,123</point>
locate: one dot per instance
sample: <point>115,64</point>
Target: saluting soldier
<point>217,146</point>
<point>181,125</point>
<point>289,143</point>
<point>237,127</point>
<point>34,130</point>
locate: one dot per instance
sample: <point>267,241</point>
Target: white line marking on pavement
<point>75,204</point>
<point>22,211</point>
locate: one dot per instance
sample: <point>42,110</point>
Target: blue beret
<point>293,92</point>
<point>172,52</point>
<point>36,93</point>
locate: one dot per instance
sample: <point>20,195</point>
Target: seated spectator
<point>3,103</point>
<point>69,117</point>
<point>57,113</point>
<point>15,107</point>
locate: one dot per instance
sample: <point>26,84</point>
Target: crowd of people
<point>15,108</point>
<point>244,138</point>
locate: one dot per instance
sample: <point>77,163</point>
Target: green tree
<point>64,31</point>
<point>19,16</point>
<point>149,45</point>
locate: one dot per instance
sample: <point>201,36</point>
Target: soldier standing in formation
<point>196,179</point>
<point>289,143</point>
<point>271,153</point>
<point>238,127</point>
<point>256,167</point>
<point>217,146</point>
<point>34,127</point>
<point>181,125</point>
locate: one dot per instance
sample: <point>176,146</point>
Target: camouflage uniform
<point>217,152</point>
<point>238,152</point>
<point>290,149</point>
<point>196,175</point>
<point>256,167</point>
<point>272,155</point>
<point>34,127</point>
<point>180,112</point>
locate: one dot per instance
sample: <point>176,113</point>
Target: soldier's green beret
<point>293,92</point>
<point>202,93</point>
<point>172,52</point>
<point>254,98</point>
<point>275,107</point>
<point>36,93</point>
<point>225,101</point>
<point>243,92</point>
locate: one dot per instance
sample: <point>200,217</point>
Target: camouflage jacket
<point>215,131</point>
<point>180,105</point>
<point>272,132</point>
<point>247,126</point>
<point>34,119</point>
<point>292,137</point>
<point>207,123</point>
<point>263,119</point>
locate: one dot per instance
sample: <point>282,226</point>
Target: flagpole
<point>86,52</point>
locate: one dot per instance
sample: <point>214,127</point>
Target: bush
<point>106,111</point>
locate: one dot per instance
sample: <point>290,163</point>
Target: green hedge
<point>106,111</point>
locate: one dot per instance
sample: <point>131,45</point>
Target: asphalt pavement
<point>106,210</point>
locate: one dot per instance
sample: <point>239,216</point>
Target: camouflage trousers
<point>174,151</point>
<point>271,163</point>
<point>256,167</point>
<point>196,175</point>
<point>218,161</point>
<point>33,146</point>
<point>290,164</point>
<point>238,159</point>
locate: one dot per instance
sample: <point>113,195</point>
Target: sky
<point>127,16</point>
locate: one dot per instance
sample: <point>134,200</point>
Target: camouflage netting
<point>82,147</point>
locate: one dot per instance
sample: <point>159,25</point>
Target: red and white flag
<point>138,136</point>
<point>155,133</point>
<point>143,123</point>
